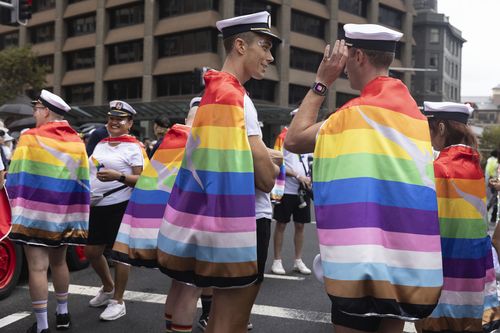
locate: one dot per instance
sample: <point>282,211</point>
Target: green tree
<point>19,71</point>
<point>490,139</point>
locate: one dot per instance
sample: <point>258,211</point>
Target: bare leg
<point>391,326</point>
<point>95,255</point>
<point>183,299</point>
<point>121,278</point>
<point>59,269</point>
<point>298,239</point>
<point>38,264</point>
<point>279,231</point>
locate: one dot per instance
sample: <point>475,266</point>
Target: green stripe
<point>367,165</point>
<point>151,183</point>
<point>462,228</point>
<point>44,169</point>
<point>223,160</point>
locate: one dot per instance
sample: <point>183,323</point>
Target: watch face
<point>320,88</point>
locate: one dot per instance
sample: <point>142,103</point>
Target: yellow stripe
<point>457,208</point>
<point>348,142</point>
<point>214,137</point>
<point>65,147</point>
<point>38,154</point>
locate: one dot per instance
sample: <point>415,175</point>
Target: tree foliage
<point>19,71</point>
<point>490,139</point>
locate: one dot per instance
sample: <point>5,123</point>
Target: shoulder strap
<point>119,188</point>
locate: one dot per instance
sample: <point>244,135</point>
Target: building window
<point>356,7</point>
<point>125,16</point>
<point>343,98</point>
<point>305,60</point>
<point>398,52</point>
<point>390,17</point>
<point>125,89</point>
<point>47,61</point>
<point>191,42</point>
<point>397,75</point>
<point>80,59</point>
<point>434,35</point>
<point>244,7</point>
<point>296,93</point>
<point>81,26</point>
<point>187,83</point>
<point>42,33</point>
<point>41,5</point>
<point>434,60</point>
<point>261,89</point>
<point>308,24</point>
<point>179,7</point>
<point>125,52</point>
<point>79,94</point>
<point>10,39</point>
<point>433,85</point>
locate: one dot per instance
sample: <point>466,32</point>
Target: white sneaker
<point>102,298</point>
<point>113,311</point>
<point>277,267</point>
<point>300,267</point>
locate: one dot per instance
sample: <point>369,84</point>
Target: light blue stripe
<point>382,272</point>
<point>457,311</point>
<point>383,192</point>
<point>205,253</point>
<point>50,226</point>
<point>136,243</point>
<point>491,301</point>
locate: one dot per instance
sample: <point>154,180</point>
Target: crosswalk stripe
<point>13,318</point>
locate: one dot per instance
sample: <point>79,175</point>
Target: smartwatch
<point>319,88</point>
<point>122,178</point>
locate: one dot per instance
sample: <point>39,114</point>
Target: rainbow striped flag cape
<point>48,184</point>
<point>376,206</point>
<point>469,289</point>
<point>136,241</point>
<point>279,186</point>
<point>208,236</point>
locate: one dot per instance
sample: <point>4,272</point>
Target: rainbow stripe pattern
<point>136,241</point>
<point>376,206</point>
<point>279,186</point>
<point>469,289</point>
<point>208,236</point>
<point>48,184</point>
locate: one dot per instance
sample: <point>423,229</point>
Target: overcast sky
<point>479,21</point>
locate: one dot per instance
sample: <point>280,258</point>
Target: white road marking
<point>13,318</point>
<point>284,277</point>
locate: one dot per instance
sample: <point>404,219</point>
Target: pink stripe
<point>209,223</point>
<point>376,236</point>
<point>146,223</point>
<point>50,208</point>
<point>458,284</point>
<point>490,275</point>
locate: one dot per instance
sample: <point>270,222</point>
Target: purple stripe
<point>145,210</point>
<point>464,268</point>
<point>212,204</point>
<point>372,215</point>
<point>52,197</point>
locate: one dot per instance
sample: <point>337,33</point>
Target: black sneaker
<point>33,329</point>
<point>63,321</point>
<point>203,322</point>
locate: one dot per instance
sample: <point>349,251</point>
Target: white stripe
<point>13,318</point>
<point>209,238</point>
<point>48,216</point>
<point>461,297</point>
<point>379,254</point>
<point>145,233</point>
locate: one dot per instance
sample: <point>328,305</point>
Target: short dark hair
<point>162,121</point>
<point>379,59</point>
<point>247,36</point>
<point>494,153</point>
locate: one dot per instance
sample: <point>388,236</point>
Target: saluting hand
<point>332,64</point>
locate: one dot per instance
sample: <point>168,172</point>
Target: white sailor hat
<point>53,102</point>
<point>120,109</point>
<point>258,22</point>
<point>448,110</point>
<point>371,37</point>
<point>195,102</point>
<point>294,112</point>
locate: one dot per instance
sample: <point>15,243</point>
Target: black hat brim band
<point>376,45</point>
<point>456,116</point>
<point>259,28</point>
<point>52,107</point>
<point>119,113</point>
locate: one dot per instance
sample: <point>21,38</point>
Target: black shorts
<point>263,237</point>
<point>366,324</point>
<point>289,206</point>
<point>104,223</point>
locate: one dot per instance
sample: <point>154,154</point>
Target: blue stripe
<point>383,192</point>
<point>228,183</point>
<point>491,301</point>
<point>49,226</point>
<point>152,197</point>
<point>457,311</point>
<point>462,248</point>
<point>136,243</point>
<point>205,253</point>
<point>382,272</point>
<point>46,183</point>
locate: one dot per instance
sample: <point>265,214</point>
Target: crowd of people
<point>399,197</point>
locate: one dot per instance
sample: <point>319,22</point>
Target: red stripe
<point>60,131</point>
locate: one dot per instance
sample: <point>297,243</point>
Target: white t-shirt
<point>121,158</point>
<point>292,162</point>
<point>2,167</point>
<point>263,207</point>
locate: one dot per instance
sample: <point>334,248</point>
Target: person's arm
<point>107,175</point>
<point>265,171</point>
<point>301,135</point>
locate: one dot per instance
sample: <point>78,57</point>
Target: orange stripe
<point>219,115</point>
<point>444,188</point>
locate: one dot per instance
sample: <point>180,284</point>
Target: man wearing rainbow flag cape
<point>48,185</point>
<point>210,237</point>
<point>374,189</point>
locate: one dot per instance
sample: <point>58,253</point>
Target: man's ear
<point>360,56</point>
<point>240,46</point>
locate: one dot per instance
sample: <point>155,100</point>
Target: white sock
<point>40,309</point>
